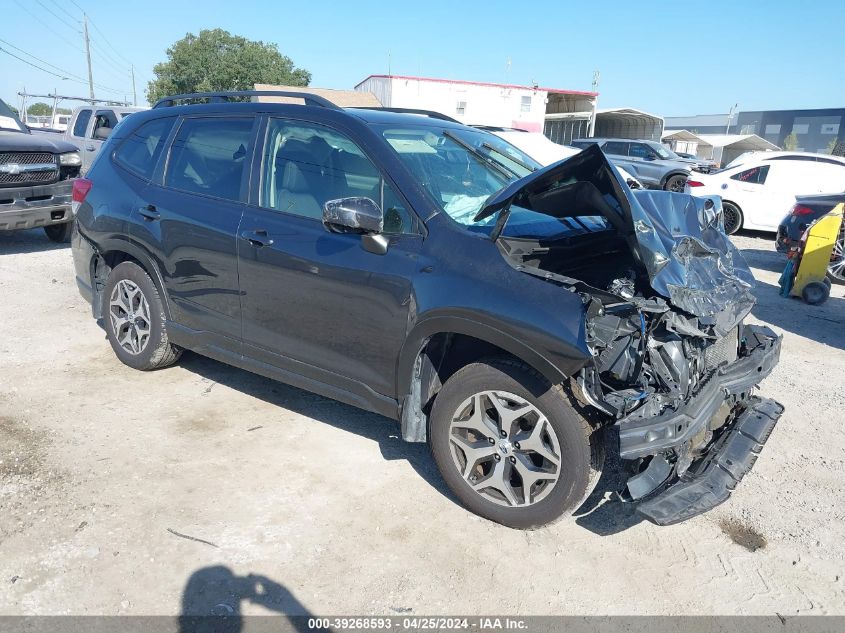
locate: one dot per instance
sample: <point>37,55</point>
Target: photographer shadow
<point>211,602</point>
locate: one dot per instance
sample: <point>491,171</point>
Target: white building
<point>562,114</point>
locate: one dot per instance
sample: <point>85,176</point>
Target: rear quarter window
<point>140,151</point>
<point>755,175</point>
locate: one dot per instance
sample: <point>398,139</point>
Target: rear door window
<point>615,147</point>
<point>208,156</point>
<point>140,151</point>
<point>81,123</point>
<point>755,175</point>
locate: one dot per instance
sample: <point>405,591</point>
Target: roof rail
<point>429,113</point>
<point>222,97</point>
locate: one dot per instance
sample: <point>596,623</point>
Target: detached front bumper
<point>668,498</point>
<point>713,478</point>
<point>31,207</point>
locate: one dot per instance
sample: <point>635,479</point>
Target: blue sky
<point>668,58</point>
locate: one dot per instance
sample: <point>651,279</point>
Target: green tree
<point>39,109</point>
<point>831,145</point>
<point>217,60</point>
<point>790,143</point>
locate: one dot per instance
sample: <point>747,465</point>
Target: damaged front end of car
<point>673,365</point>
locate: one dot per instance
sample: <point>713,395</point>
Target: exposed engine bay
<point>665,293</point>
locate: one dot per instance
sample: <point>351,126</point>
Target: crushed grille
<point>725,350</point>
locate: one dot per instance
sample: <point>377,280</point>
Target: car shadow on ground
<point>372,426</point>
<point>212,599</point>
<point>761,259</point>
<point>31,241</point>
<point>603,512</point>
<point>824,323</point>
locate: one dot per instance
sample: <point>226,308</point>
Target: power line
<point>49,72</point>
<point>49,28</point>
<point>103,56</point>
<point>56,15</point>
<point>20,50</point>
<point>105,39</point>
<point>65,11</point>
<point>65,74</point>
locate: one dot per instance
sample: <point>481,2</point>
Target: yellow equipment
<point>805,274</point>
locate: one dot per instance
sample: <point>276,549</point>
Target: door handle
<point>257,238</point>
<point>90,148</point>
<point>149,213</point>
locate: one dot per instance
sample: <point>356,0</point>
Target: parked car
<point>747,157</point>
<point>35,174</point>
<point>505,313</point>
<point>539,147</point>
<point>808,209</point>
<point>649,162</point>
<point>759,193</point>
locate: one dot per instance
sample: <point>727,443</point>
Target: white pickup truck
<point>89,127</point>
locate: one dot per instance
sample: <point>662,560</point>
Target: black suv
<point>512,316</point>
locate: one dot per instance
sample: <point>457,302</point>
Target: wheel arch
<point>438,348</point>
<point>108,256</point>
<point>670,174</point>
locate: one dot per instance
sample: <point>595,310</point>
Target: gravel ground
<point>202,488</point>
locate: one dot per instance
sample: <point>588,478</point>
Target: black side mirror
<point>651,157</point>
<point>353,215</point>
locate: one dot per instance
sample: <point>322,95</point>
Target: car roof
<point>601,139</point>
<point>370,116</point>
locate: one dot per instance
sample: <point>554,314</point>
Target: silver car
<point>651,163</point>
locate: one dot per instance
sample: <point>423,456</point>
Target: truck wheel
<point>510,445</point>
<point>733,217</point>
<point>675,183</point>
<point>59,233</point>
<point>134,319</point>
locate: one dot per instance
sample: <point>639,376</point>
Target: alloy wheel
<point>837,259</point>
<point>505,448</point>
<point>129,313</point>
<point>731,216</point>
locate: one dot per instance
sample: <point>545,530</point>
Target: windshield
<point>663,152</point>
<point>461,168</point>
<point>8,120</point>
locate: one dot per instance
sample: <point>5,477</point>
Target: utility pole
<point>134,95</point>
<point>730,118</point>
<point>88,57</point>
<point>591,126</point>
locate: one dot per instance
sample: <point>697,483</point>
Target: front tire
<point>134,318</point>
<point>733,217</point>
<point>59,233</point>
<point>510,445</point>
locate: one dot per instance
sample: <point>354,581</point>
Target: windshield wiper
<point>504,171</point>
<point>525,166</point>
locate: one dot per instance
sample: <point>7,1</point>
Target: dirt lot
<point>207,489</point>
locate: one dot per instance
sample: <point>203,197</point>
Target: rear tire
<point>134,318</point>
<point>549,442</point>
<point>675,183</point>
<point>733,217</point>
<point>59,233</point>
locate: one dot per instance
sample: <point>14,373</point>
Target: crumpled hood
<point>690,260</point>
<point>676,238</point>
